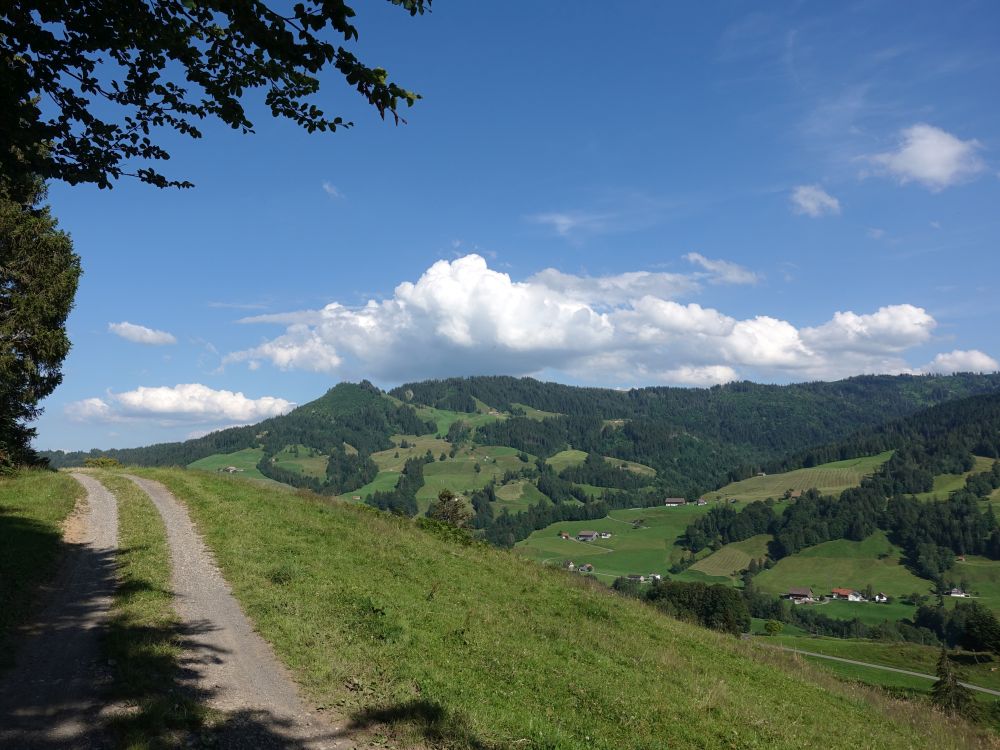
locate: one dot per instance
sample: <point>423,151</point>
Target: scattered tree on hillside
<point>449,509</point>
<point>947,693</point>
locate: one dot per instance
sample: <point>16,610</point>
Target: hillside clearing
<point>734,557</point>
<point>829,479</point>
<point>844,564</point>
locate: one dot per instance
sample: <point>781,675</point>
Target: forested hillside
<point>357,441</point>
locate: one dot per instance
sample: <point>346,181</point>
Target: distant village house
<point>957,592</point>
<point>880,598</point>
<point>849,594</point>
<point>587,536</point>
<point>671,502</point>
<point>799,594</point>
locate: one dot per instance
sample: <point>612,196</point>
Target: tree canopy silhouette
<point>86,86</point>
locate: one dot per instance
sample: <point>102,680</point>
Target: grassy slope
<point>734,557</point>
<point>830,478</point>
<point>245,459</point>
<point>844,564</point>
<point>33,506</point>
<point>650,549</point>
<point>945,484</point>
<point>472,647</point>
<point>303,463</point>
<point>567,458</point>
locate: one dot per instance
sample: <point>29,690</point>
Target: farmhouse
<point>587,536</point>
<point>849,594</point>
<point>957,592</point>
<point>230,469</point>
<point>795,494</point>
<point>880,598</point>
<point>569,565</point>
<point>563,535</point>
<point>655,577</point>
<point>636,578</point>
<point>605,535</point>
<point>799,594</point>
<point>671,502</point>
<point>702,501</point>
<point>586,568</point>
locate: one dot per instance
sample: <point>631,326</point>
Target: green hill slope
<point>830,478</point>
<point>469,647</point>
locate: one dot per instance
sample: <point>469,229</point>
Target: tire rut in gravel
<point>225,662</point>
<point>52,697</point>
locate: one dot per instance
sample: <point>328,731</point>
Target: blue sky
<point>619,195</point>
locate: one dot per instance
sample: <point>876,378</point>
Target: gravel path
<point>229,666</point>
<point>51,698</point>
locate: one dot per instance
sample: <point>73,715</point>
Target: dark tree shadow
<point>431,721</point>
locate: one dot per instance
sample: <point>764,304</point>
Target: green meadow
<point>444,418</point>
<point>734,557</point>
<point>565,459</point>
<point>443,645</point>
<point>829,479</point>
<point>945,484</point>
<point>303,460</point>
<point>844,564</point>
<point>245,459</point>
<point>642,541</point>
<point>532,413</point>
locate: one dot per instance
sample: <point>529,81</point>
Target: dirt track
<point>52,698</point>
<point>226,663</point>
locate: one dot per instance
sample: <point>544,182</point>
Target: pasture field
<point>830,479</point>
<point>532,413</point>
<point>734,557</point>
<point>383,482</point>
<point>395,458</point>
<point>470,647</point>
<point>945,484</point>
<point>647,549</point>
<point>869,613</point>
<point>245,459</point>
<point>982,577</point>
<point>844,564</point>
<point>567,458</point>
<point>301,459</point>
<point>517,496</point>
<point>444,418</point>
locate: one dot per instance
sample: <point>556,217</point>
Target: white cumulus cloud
<point>462,318</point>
<point>182,403</point>
<point>932,157</point>
<point>141,334</point>
<point>958,360</point>
<point>814,201</point>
